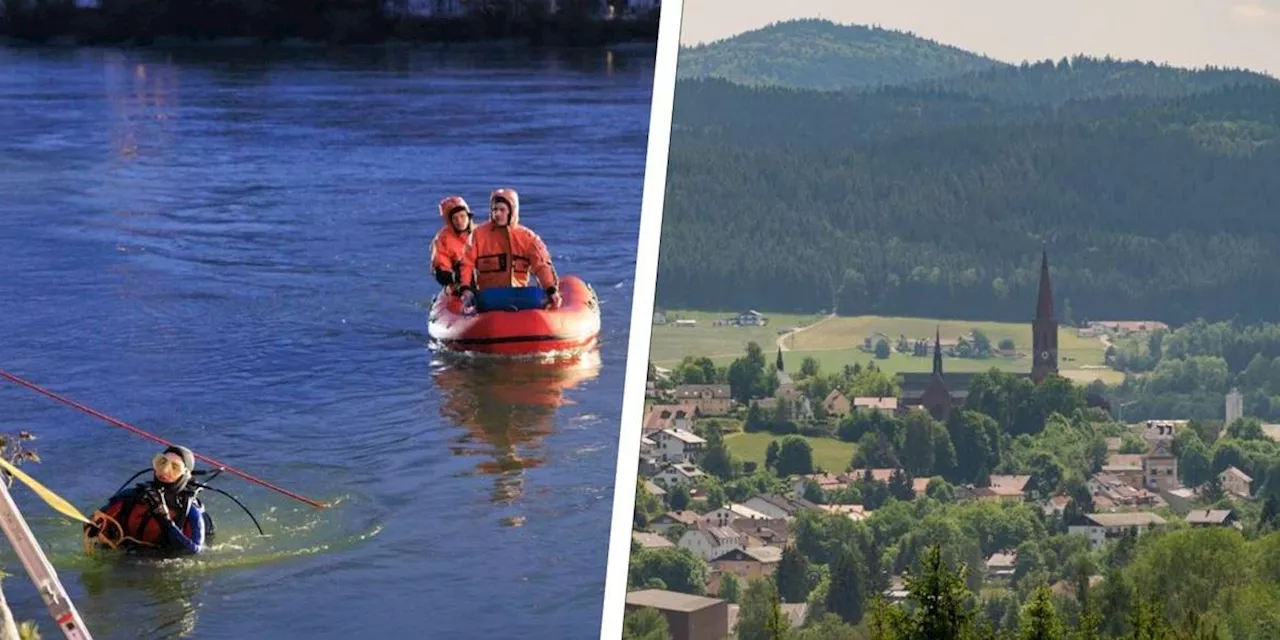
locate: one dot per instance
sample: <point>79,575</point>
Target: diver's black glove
<point>158,508</point>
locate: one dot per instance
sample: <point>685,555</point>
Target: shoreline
<point>157,28</point>
<point>637,46</point>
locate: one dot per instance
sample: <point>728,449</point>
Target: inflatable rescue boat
<point>515,321</point>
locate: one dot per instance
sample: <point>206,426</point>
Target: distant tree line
<point>576,22</point>
<point>1187,373</point>
<point>1155,196</point>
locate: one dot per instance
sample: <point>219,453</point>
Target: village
<point>1137,487</point>
<point>747,538</point>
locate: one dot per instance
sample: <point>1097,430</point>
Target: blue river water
<point>230,250</point>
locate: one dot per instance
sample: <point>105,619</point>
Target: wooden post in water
<point>38,567</point>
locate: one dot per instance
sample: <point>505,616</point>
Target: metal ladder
<point>38,567</point>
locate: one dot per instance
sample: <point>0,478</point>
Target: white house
<point>677,445</point>
<point>678,474</point>
<point>710,543</point>
<point>726,515</point>
<point>778,507</point>
<point>665,522</point>
<point>1100,527</point>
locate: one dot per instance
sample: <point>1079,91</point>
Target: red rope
<point>124,425</point>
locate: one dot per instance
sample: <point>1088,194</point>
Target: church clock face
<point>1044,355</point>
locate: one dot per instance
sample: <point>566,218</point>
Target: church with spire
<point>939,393</point>
<point>1044,329</point>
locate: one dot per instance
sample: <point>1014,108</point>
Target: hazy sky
<point>1187,33</point>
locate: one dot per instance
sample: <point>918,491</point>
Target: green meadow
<point>837,341</point>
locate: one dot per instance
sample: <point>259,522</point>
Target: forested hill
<point>1083,77</point>
<point>723,111</point>
<point>926,203</point>
<point>818,54</point>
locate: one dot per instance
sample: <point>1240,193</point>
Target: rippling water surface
<point>231,251</point>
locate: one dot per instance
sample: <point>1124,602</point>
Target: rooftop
<point>1125,519</point>
<point>651,540</point>
<point>670,600</point>
<point>1209,516</point>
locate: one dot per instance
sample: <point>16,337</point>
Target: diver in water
<point>164,515</point>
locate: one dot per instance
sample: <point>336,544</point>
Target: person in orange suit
<point>504,253</point>
<point>451,241</point>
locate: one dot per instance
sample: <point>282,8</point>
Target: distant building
<point>1160,466</point>
<point>748,563</point>
<point>677,445</point>
<point>1182,500</point>
<point>728,514</point>
<point>710,399</point>
<point>1100,527</point>
<point>1235,406</point>
<point>1236,483</point>
<point>648,540</point>
<point>751,319</point>
<point>688,617</point>
<point>664,523</point>
<point>678,474</point>
<point>887,406</point>
<point>1126,467</point>
<point>779,507</point>
<point>1153,430</point>
<point>1125,328</point>
<point>710,543</point>
<point>1001,565</point>
<point>837,404</point>
<point>1213,518</point>
<point>669,416</point>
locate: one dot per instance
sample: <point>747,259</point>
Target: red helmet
<point>512,200</point>
<point>452,204</point>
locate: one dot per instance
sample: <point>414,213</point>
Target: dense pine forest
<point>1154,189</point>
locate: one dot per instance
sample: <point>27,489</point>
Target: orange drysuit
<point>450,243</point>
<point>505,256</point>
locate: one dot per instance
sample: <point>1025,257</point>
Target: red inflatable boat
<point>513,321</point>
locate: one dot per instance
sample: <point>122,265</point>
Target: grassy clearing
<point>670,344</point>
<point>844,333</point>
<point>835,343</point>
<point>830,454</point>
